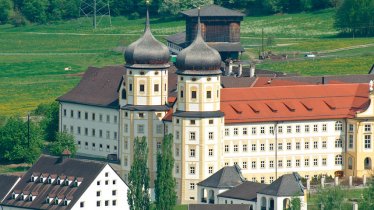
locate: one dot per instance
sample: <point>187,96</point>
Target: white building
<point>68,184</point>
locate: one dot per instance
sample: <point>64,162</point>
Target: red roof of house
<point>290,103</point>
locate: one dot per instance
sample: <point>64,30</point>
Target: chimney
<point>230,68</point>
<point>65,155</point>
<point>252,70</point>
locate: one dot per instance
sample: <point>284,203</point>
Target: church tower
<point>143,96</point>
<point>197,120</point>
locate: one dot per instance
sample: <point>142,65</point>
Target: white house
<point>63,183</point>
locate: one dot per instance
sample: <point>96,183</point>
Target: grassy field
<point>33,58</point>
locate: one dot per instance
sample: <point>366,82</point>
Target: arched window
<point>124,94</point>
<point>338,126</point>
<point>367,163</point>
<point>338,160</point>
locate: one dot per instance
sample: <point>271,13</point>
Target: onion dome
<point>199,58</point>
<point>147,51</point>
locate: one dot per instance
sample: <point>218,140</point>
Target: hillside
<point>33,58</point>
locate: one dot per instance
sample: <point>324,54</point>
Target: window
<point>253,180</point>
<point>324,127</point>
<point>192,122</point>
<point>81,204</point>
<point>338,143</point>
<point>159,129</point>
<point>350,141</point>
<point>367,128</point>
<point>101,117</point>
<point>306,162</point>
<point>64,112</point>
<point>253,164</point>
<point>315,128</point>
<point>93,132</point>
<point>210,135</point>
<point>140,128</point>
<point>306,128</point>
<point>177,169</point>
<point>192,152</point>
<point>244,147</point>
<point>244,131</point>
<point>315,162</point>
<point>93,116</point>
<point>338,160</point>
<point>338,126</point>
<point>288,163</point>
<point>79,130</point>
<point>192,169</point>
<point>106,203</point>
<point>271,146</point>
<point>297,163</point>
<point>253,147</point>
<point>181,93</point>
<point>208,94</point>
<point>114,182</point>
<point>315,144</point>
<point>262,147</point>
<point>271,179</point>
<point>108,134</point>
<point>115,119</point>
<point>297,145</point>
<point>86,131</point>
<point>71,113</point>
<point>280,129</point>
<point>210,170</point>
<point>235,148</point>
<point>158,146</point>
<point>271,164</point>
<point>297,128</point>
<point>306,145</point>
<point>192,136</point>
<point>114,203</point>
<point>262,130</point>
<point>210,152</point>
<point>211,122</point>
<point>141,88</point>
<point>156,87</point>
<point>235,131</point>
<point>324,161</point>
<point>280,146</point>
<point>227,132</point>
<point>262,164</point>
<point>106,182</point>
<point>289,130</point>
<point>280,163</point>
<point>324,144</point>
<point>108,118</point>
<point>193,94</point>
<point>192,186</point>
<point>254,130</point>
<point>226,148</point>
<point>262,179</point>
<point>289,146</point>
<point>271,129</point>
<point>86,115</point>
<point>141,115</point>
<point>98,193</point>
<point>367,141</point>
<point>100,133</point>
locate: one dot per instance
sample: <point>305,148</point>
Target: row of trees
<point>138,193</point>
<point>23,140</point>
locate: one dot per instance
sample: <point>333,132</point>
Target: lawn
<point>349,194</point>
<point>33,57</point>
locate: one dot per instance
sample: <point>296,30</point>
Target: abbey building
<point>266,131</point>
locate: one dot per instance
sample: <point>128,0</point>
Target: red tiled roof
<point>288,103</point>
<point>169,115</point>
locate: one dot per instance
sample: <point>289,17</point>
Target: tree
<point>367,201</point>
<point>50,121</point>
<point>330,198</point>
<point>165,183</point>
<point>174,7</point>
<point>35,10</point>
<point>138,195</point>
<point>63,141</point>
<point>5,10</point>
<point>355,17</point>
<point>295,203</point>
<point>14,142</point>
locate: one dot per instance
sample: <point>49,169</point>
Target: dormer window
<point>48,199</point>
<point>22,196</point>
<point>58,181</point>
<point>41,179</point>
<point>32,179</point>
<point>14,195</point>
<point>75,183</point>
<point>49,180</point>
<point>67,182</point>
<point>30,198</point>
<point>66,202</point>
<point>56,201</point>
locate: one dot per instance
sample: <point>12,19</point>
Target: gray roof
<point>98,87</point>
<point>213,11</point>
<point>226,177</point>
<point>6,184</point>
<point>237,82</point>
<point>371,71</point>
<point>286,185</point>
<point>218,207</point>
<point>245,191</point>
<point>178,38</point>
<point>84,170</point>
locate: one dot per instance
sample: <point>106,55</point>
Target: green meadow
<point>33,57</point>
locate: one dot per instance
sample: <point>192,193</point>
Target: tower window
<point>123,94</point>
<point>130,87</point>
<point>193,94</point>
<point>208,94</point>
<point>156,87</point>
<point>181,93</point>
<point>141,88</point>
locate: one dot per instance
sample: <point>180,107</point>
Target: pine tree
<point>165,183</point>
<point>138,193</point>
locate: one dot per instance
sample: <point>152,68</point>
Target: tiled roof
<point>289,103</point>
<point>98,87</point>
<point>226,177</point>
<point>227,46</point>
<point>218,207</point>
<point>245,191</point>
<point>84,170</point>
<point>286,185</point>
<point>6,184</point>
<point>213,11</point>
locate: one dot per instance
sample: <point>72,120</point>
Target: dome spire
<point>198,35</point>
<point>147,22</point>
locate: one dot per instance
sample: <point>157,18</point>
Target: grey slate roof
<point>226,177</point>
<point>213,11</point>
<point>98,87</point>
<point>6,184</point>
<point>178,38</point>
<point>286,185</point>
<point>218,207</point>
<point>245,191</point>
<point>85,170</point>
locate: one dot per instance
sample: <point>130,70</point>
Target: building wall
<point>96,129</point>
<point>109,182</point>
<point>223,200</point>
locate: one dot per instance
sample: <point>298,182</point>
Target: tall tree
<point>19,145</point>
<point>174,7</point>
<point>50,122</point>
<point>35,10</point>
<point>5,10</point>
<point>165,183</point>
<point>63,141</point>
<point>138,193</point>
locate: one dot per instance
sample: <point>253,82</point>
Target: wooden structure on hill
<point>220,29</point>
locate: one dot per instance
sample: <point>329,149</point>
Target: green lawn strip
<point>5,169</point>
